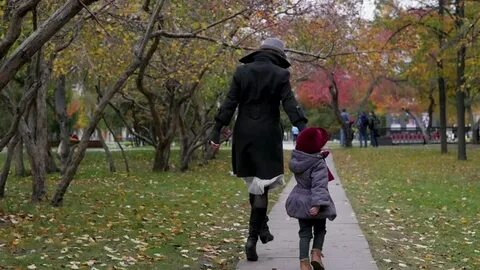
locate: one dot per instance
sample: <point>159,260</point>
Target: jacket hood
<point>301,161</point>
<point>274,56</point>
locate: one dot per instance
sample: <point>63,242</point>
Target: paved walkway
<point>345,245</point>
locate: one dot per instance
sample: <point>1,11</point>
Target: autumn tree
<point>30,121</point>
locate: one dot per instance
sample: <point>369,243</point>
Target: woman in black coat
<point>257,89</point>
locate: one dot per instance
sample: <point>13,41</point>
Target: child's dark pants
<point>305,234</point>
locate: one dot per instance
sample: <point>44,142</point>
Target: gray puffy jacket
<point>312,187</point>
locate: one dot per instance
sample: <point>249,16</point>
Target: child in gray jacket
<point>310,201</point>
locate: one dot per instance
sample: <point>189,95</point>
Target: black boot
<point>251,249</point>
<point>265,235</point>
<point>257,217</point>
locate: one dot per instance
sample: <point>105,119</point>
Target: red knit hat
<point>311,140</point>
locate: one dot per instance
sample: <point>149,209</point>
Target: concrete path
<point>345,245</point>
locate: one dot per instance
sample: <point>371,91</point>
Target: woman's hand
<point>215,146</point>
<point>314,210</point>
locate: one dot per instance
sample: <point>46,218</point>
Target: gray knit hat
<point>273,45</point>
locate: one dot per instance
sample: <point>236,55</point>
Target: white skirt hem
<point>257,186</point>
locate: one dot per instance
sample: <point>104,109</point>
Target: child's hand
<point>314,210</point>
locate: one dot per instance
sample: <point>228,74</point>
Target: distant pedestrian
<point>257,89</point>
<point>310,200</point>
<point>373,125</point>
<point>362,125</point>
<point>346,123</point>
<point>294,133</point>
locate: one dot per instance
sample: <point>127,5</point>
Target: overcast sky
<point>368,8</point>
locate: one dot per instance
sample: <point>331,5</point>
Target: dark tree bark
<point>19,111</point>
<point>41,124</point>
<point>51,165</point>
<point>8,10</point>
<point>442,96</point>
<point>37,167</point>
<point>108,154</point>
<point>162,155</point>
<point>462,147</point>
<point>460,87</point>
<point>15,26</point>
<point>125,160</point>
<point>35,41</point>
<point>165,130</point>
<point>19,164</point>
<point>431,108</point>
<point>476,132</point>
<point>334,92</point>
<point>61,112</point>
<point>192,133</point>
<point>469,112</point>
<point>6,166</point>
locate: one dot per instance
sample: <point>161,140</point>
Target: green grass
<point>145,220</point>
<point>419,209</point>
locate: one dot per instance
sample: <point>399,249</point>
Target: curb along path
<point>345,245</point>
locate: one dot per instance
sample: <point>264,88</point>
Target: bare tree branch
<point>15,26</point>
<point>36,40</point>
<point>18,110</point>
<point>221,21</point>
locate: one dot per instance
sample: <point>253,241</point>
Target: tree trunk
<point>442,96</point>
<point>333,89</point>
<point>188,149</point>
<point>37,164</point>
<point>41,125</point>
<point>476,132</point>
<point>19,110</point>
<point>185,162</point>
<point>431,108</point>
<point>51,166</point>
<point>460,91</point>
<point>15,26</point>
<point>35,41</point>
<point>19,164</point>
<point>108,154</point>
<point>471,120</point>
<point>462,148</point>
<point>185,154</point>
<point>6,166</point>
<point>61,112</point>
<point>162,156</point>
<point>127,168</point>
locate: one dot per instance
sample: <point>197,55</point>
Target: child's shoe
<point>317,259</point>
<point>305,265</point>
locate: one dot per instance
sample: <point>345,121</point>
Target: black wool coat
<point>257,89</point>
